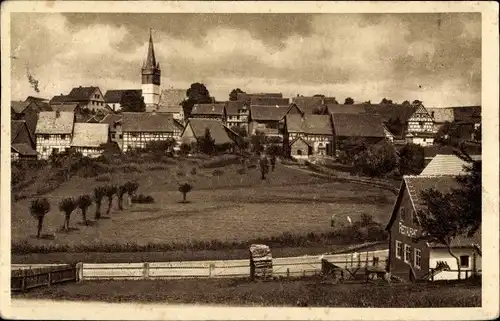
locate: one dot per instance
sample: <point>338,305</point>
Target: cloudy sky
<point>435,58</point>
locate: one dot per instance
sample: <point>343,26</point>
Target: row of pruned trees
<point>40,207</point>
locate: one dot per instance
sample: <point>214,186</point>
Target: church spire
<point>151,59</point>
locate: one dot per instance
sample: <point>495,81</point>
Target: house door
<point>309,150</point>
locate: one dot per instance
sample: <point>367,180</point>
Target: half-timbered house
<point>316,131</point>
<point>270,120</point>
<point>22,142</point>
<point>141,128</point>
<point>237,113</point>
<point>53,132</point>
<point>209,111</point>
<point>89,138</point>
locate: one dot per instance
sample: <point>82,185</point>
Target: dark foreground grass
<point>243,292</point>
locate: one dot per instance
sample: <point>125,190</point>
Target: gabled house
<point>237,113</point>
<point>441,116</point>
<point>352,126</point>
<point>420,129</point>
<point>141,128</point>
<point>308,104</point>
<point>268,101</point>
<point>53,132</point>
<point>89,138</point>
<point>22,142</point>
<point>114,122</point>
<point>171,102</point>
<point>114,98</point>
<point>346,109</point>
<point>247,97</point>
<point>315,131</point>
<point>410,259</point>
<point>270,120</point>
<point>209,111</point>
<point>446,164</point>
<point>90,98</point>
<point>196,127</point>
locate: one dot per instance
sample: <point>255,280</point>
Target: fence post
<point>49,282</point>
<point>79,271</point>
<point>288,272</point>
<point>466,274</point>
<point>23,280</point>
<point>432,274</point>
<point>145,271</point>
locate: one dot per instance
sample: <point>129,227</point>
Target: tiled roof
<point>217,129</point>
<point>82,93</point>
<point>307,104</point>
<point>110,119</point>
<point>15,127</point>
<point>346,109</point>
<point>89,135</point>
<point>274,112</point>
<point>309,124</point>
<point>171,99</point>
<point>60,99</point>
<point>445,165</point>
<point>246,97</point>
<point>39,99</point>
<point>70,107</point>
<point>232,107</point>
<point>388,112</point>
<point>50,123</point>
<point>358,125</point>
<point>115,96</point>
<point>417,184</point>
<point>208,109</point>
<point>267,101</point>
<point>24,149</point>
<point>18,106</point>
<point>147,122</point>
<point>441,115</point>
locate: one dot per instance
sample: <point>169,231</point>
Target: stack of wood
<point>261,262</point>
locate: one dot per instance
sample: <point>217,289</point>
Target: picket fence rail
<point>26,277</point>
<point>289,267</point>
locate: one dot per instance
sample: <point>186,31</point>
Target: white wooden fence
<point>290,267</point>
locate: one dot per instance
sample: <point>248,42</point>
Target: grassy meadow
<point>313,291</point>
<point>227,205</point>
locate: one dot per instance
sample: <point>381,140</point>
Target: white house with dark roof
<point>420,130</point>
<point>88,138</point>
<point>141,128</point>
<point>315,131</point>
<point>87,98</point>
<point>270,120</point>
<point>237,113</point>
<point>53,132</point>
<point>114,122</point>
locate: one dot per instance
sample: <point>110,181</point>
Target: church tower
<point>151,78</point>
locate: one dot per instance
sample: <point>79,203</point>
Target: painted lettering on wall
<point>408,231</point>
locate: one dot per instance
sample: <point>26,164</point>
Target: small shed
<point>261,262</point>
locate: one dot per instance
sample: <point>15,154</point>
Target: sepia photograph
<point>259,155</point>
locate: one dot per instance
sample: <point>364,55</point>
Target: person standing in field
<point>264,165</point>
<point>273,162</point>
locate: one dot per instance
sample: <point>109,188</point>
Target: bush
<point>48,187</point>
<point>241,171</point>
<point>217,172</point>
<point>376,160</point>
<point>411,159</point>
<point>193,171</point>
<point>103,178</point>
<point>252,166</point>
<point>222,161</point>
<point>181,173</point>
<point>142,199</point>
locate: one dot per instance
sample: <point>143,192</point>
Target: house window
<point>418,258</point>
<point>464,261</point>
<point>407,253</point>
<point>134,135</point>
<point>121,136</point>
<point>399,249</point>
<point>63,136</point>
<point>113,136</point>
<point>46,137</point>
<point>44,149</point>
